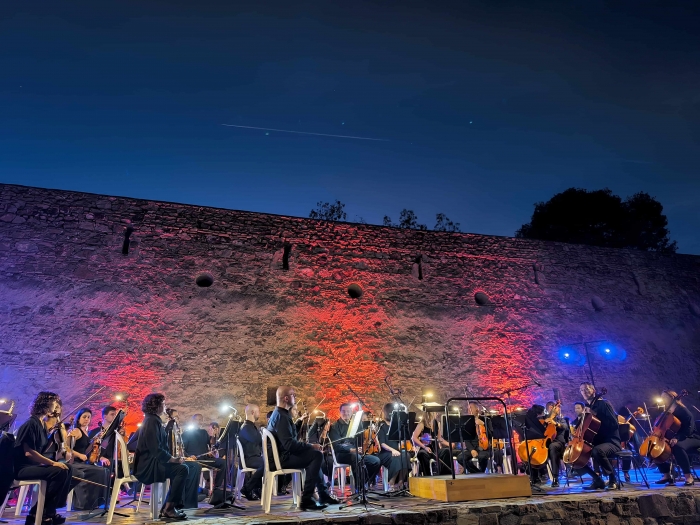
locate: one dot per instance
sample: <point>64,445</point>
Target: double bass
<point>578,452</point>
<point>656,446</point>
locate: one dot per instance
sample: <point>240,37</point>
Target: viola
<point>578,452</point>
<point>369,435</point>
<point>656,446</point>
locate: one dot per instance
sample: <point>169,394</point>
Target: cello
<point>656,446</point>
<point>578,452</point>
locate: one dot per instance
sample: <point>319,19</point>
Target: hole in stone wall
<point>355,291</point>
<point>418,268</point>
<point>204,280</point>
<point>127,233</point>
<point>481,299</point>
<point>285,256</point>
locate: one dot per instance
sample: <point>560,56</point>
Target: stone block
<point>409,518</point>
<point>488,519</point>
<point>653,506</point>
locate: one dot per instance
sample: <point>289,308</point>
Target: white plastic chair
<point>385,479</point>
<point>127,477</point>
<point>340,468</point>
<point>69,501</point>
<point>240,477</point>
<point>23,488</point>
<point>271,475</point>
<point>158,493</point>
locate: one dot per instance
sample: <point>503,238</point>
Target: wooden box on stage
<point>470,487</point>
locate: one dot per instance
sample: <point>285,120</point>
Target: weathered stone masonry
<point>436,309</point>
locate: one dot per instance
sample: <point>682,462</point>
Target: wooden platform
<point>470,488</point>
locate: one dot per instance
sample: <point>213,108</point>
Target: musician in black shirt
<point>296,455</point>
<point>558,444</point>
<point>472,451</point>
<point>107,445</point>
<point>195,440</point>
<point>686,439</point>
<point>606,443</point>
<point>578,410</point>
<point>344,448</point>
<point>30,463</point>
<point>251,443</point>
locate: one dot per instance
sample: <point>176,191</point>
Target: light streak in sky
<point>306,133</point>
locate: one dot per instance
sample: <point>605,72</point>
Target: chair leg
<point>113,501</point>
<point>4,503</point>
<point>40,503</point>
<point>138,504</point>
<point>341,480</point>
<point>20,499</point>
<point>267,490</point>
<point>69,501</point>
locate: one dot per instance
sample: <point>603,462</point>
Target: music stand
<point>230,435</point>
<point>354,432</point>
<point>499,431</point>
<point>462,429</point>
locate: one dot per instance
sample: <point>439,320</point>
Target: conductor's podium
<point>470,487</point>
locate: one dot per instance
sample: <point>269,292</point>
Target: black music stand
<point>430,406</point>
<point>229,435</point>
<point>521,427</point>
<point>399,426</point>
<point>462,429</point>
<point>360,495</point>
<point>499,431</point>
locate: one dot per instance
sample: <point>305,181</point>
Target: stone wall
<point>440,310</point>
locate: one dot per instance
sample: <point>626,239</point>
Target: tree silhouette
<point>443,224</point>
<point>600,218</point>
<point>327,211</point>
<point>407,220</point>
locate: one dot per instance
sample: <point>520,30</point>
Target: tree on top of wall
<point>599,218</point>
<point>327,211</point>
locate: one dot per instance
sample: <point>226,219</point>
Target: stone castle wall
<point>438,310</point>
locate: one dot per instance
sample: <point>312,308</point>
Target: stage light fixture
<point>659,400</point>
<point>118,397</point>
<point>3,401</point>
<point>566,355</point>
<point>139,425</point>
<point>607,350</point>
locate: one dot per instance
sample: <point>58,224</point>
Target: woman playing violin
<point>30,462</point>
<point>425,435</point>
<point>686,439</point>
<point>86,496</point>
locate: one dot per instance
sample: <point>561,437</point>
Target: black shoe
<point>555,483</point>
<point>173,515</point>
<point>45,521</point>
<point>598,484</point>
<point>627,477</point>
<point>250,495</point>
<point>664,481</point>
<point>311,504</point>
<point>689,483</point>
<point>612,484</point>
<point>329,499</point>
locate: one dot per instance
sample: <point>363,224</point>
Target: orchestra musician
<point>196,442</point>
<point>686,439</point>
<point>606,443</point>
<point>558,444</point>
<point>425,435</point>
<point>86,496</point>
<point>296,455</point>
<point>578,410</point>
<point>30,462</point>
<point>173,433</point>
<point>107,445</point>
<point>251,443</point>
<point>534,429</point>
<point>153,461</point>
<point>472,450</point>
<point>344,448</point>
<point>391,455</point>
<point>299,423</point>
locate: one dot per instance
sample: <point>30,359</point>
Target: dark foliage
<point>327,211</point>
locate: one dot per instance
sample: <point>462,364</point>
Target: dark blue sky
<point>487,106</point>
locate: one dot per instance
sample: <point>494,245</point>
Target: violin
<point>93,450</point>
<point>656,446</point>
<point>369,435</point>
<point>578,452</point>
<point>59,436</point>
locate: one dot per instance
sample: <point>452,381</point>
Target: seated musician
<point>426,437</point>
<point>534,429</point>
<point>173,432</point>
<point>300,422</point>
<point>196,444</point>
<point>86,496</point>
<point>30,462</point>
<point>251,442</point>
<point>153,461</point>
<point>625,415</point>
<point>344,448</point>
<point>558,444</point>
<point>106,446</point>
<point>472,450</point>
<point>296,455</point>
<point>391,455</point>
<point>606,443</point>
<point>578,410</point>
<point>686,440</point>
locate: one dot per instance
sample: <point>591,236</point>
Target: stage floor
<point>408,510</point>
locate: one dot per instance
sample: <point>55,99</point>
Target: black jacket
<point>151,452</point>
<point>609,431</point>
<point>282,427</point>
<point>337,432</point>
<point>685,416</point>
<point>251,440</point>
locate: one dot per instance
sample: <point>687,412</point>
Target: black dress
<point>85,495</point>
<point>398,463</point>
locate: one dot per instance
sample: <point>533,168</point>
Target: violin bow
<point>69,414</point>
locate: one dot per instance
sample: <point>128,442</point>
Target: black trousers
<point>556,454</point>
<point>191,495</point>
<point>58,485</point>
<point>443,464</point>
<point>177,474</point>
<point>310,460</point>
<point>601,460</point>
<point>372,464</point>
<point>680,453</point>
<point>255,480</point>
<point>465,459</point>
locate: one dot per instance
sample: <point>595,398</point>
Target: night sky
<point>484,107</point>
